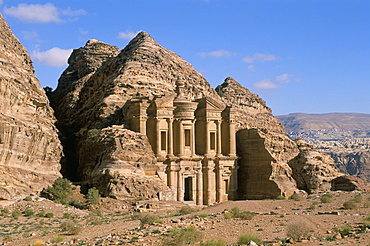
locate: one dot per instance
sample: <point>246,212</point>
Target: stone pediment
<point>210,103</point>
<point>164,102</point>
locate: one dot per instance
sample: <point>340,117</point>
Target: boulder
<point>349,183</point>
<point>312,169</point>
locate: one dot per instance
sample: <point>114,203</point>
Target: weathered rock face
<point>262,144</point>
<point>122,161</point>
<point>92,96</point>
<point>312,169</point>
<point>349,183</point>
<point>29,146</point>
<point>352,156</point>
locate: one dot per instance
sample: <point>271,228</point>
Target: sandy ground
<point>111,222</point>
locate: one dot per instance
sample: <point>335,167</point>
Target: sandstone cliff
<point>262,144</point>
<point>91,98</point>
<point>351,156</point>
<point>29,146</point>
<point>312,169</point>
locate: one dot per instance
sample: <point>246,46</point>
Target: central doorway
<point>188,195</point>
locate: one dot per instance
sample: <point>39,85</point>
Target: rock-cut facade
<point>193,141</point>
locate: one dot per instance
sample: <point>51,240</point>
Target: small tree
<point>93,196</point>
<point>60,191</point>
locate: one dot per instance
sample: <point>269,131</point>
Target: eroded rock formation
<point>92,98</point>
<point>262,145</point>
<point>29,146</point>
<point>312,169</point>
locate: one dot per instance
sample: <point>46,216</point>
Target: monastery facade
<point>194,142</point>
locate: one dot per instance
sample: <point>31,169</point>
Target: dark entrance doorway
<point>188,196</point>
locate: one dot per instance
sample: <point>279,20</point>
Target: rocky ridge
<point>343,136</point>
<point>30,150</point>
<point>91,97</point>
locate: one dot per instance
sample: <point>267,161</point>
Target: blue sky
<point>298,55</point>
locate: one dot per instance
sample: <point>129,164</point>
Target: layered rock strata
<point>29,146</point>
<point>262,145</point>
<point>313,170</point>
<point>93,95</point>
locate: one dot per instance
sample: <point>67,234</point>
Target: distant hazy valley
<point>345,136</point>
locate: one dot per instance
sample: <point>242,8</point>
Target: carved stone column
<point>181,139</point>
<point>232,140</point>
<point>218,140</point>
<point>192,137</point>
<point>180,187</point>
<point>170,137</point>
<point>199,199</point>
<point>219,189</point>
<point>157,136</point>
<point>207,138</point>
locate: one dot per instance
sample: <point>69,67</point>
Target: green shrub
<point>5,211</point>
<point>367,219</point>
<point>228,215</point>
<point>235,211</point>
<point>298,230</point>
<point>67,215</point>
<point>213,242</point>
<point>248,237</point>
<point>28,212</point>
<point>16,214</point>
<point>58,239</point>
<point>60,191</point>
<point>296,197</point>
<point>49,215</point>
<point>280,197</point>
<point>148,219</point>
<point>358,198</point>
<point>350,205</point>
<point>326,198</point>
<point>93,196</point>
<point>92,133</point>
<point>345,230</point>
<point>41,214</point>
<point>28,198</point>
<point>182,237</point>
<point>203,215</point>
<point>187,210</point>
<point>70,227</point>
<point>246,215</point>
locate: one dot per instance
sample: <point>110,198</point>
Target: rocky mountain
<point>344,136</point>
<point>30,150</point>
<point>90,104</point>
<point>331,126</point>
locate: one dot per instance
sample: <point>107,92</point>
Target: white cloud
<point>54,57</point>
<point>1,2</point>
<point>216,53</point>
<point>265,84</point>
<point>127,35</point>
<point>284,78</point>
<point>252,68</point>
<point>259,57</point>
<point>29,34</point>
<point>38,13</point>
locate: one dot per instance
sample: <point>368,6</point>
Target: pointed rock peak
<point>142,39</point>
<point>231,81</point>
<point>92,41</point>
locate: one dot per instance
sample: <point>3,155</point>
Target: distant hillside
<point>331,126</point>
<point>345,121</point>
<point>344,136</point>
